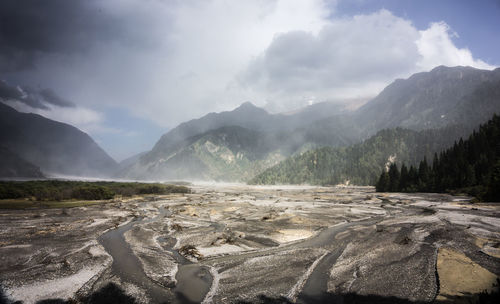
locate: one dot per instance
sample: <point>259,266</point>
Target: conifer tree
<point>471,165</point>
<point>404,178</point>
<point>393,178</point>
<point>383,183</point>
<point>493,193</point>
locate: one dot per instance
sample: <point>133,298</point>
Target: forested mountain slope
<point>471,165</point>
<point>259,138</point>
<point>445,96</point>
<point>361,163</point>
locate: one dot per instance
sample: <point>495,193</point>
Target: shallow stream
<point>193,280</point>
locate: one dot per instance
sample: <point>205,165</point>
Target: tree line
<point>360,163</point>
<point>471,166</point>
<point>57,190</point>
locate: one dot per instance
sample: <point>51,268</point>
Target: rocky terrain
<point>251,244</point>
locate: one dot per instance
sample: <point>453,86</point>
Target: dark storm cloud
<point>51,97</point>
<point>29,28</point>
<point>8,92</point>
<point>11,93</point>
<point>37,99</point>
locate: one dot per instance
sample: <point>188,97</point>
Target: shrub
<point>93,193</point>
<point>190,250</point>
<point>152,189</point>
<point>64,190</point>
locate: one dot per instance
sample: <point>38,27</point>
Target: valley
<point>325,143</point>
<point>409,119</point>
<point>306,151</point>
<point>234,243</point>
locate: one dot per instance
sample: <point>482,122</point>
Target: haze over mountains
<point>223,146</point>
<point>361,163</point>
<point>237,145</point>
<point>441,97</point>
<point>53,147</point>
<point>13,166</point>
<point>227,146</point>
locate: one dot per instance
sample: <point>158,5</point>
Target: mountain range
<point>239,145</point>
<point>444,96</point>
<point>34,144</point>
<point>227,146</point>
<point>361,163</point>
<point>13,166</point>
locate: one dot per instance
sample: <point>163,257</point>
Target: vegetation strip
<point>471,166</point>
<point>56,193</point>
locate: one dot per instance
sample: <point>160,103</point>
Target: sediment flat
<point>237,243</point>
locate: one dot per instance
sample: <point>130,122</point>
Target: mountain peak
<point>444,69</point>
<point>247,105</point>
<point>51,146</point>
<point>440,68</point>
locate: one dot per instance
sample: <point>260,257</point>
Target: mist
<point>161,63</point>
<point>253,151</point>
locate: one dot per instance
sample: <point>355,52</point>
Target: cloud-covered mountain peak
<point>248,107</point>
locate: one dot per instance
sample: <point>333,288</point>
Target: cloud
<point>49,104</point>
<point>84,119</point>
<point>17,94</point>
<point>32,29</point>
<point>9,92</point>
<point>169,61</point>
<point>51,97</point>
<point>350,58</point>
<point>36,99</point>
<point>163,60</point>
<point>436,48</point>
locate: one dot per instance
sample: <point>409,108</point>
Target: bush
<point>55,190</point>
<point>152,189</point>
<point>9,192</point>
<point>190,250</point>
<point>93,193</point>
<point>176,189</point>
<point>41,194</point>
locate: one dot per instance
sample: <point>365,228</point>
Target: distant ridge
<point>54,147</point>
<point>444,96</point>
<point>13,166</point>
<point>462,97</point>
<point>244,126</point>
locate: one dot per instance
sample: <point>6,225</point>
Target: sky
<point>127,71</point>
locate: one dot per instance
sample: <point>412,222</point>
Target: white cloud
<point>187,63</point>
<point>77,116</point>
<point>178,60</point>
<point>84,119</point>
<point>436,48</point>
<point>350,58</point>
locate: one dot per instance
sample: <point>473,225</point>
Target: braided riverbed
<point>238,243</point>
